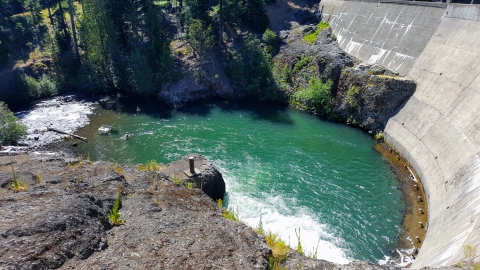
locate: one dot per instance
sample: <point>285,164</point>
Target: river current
<point>292,169</point>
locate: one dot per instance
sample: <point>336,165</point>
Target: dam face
<point>438,129</point>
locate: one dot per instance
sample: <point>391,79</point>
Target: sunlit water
<point>290,168</point>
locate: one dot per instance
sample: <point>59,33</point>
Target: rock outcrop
<point>367,96</point>
<point>209,180</point>
<point>61,220</point>
<point>363,95</point>
<point>323,59</point>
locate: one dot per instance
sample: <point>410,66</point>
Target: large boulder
<point>208,179</point>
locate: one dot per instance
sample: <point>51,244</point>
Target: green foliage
<point>255,15</point>
<point>469,252</point>
<point>310,38</point>
<point>260,226</point>
<point>189,185</point>
<point>228,214</point>
<point>44,87</point>
<point>117,168</point>
<point>317,96</point>
<point>315,250</point>
<point>379,137</point>
<point>151,165</point>
<point>10,129</point>
<point>304,61</point>
<point>299,244</point>
<point>176,180</point>
<point>16,186</point>
<point>279,251</point>
<point>200,37</point>
<point>250,72</point>
<point>272,40</point>
<point>125,46</point>
<point>352,96</point>
<point>114,215</point>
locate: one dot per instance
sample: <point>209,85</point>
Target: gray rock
<point>63,220</point>
<point>381,93</point>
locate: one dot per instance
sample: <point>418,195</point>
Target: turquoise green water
<point>290,167</point>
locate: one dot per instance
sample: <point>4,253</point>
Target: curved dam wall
<point>392,34</point>
<point>438,129</point>
<point>438,132</point>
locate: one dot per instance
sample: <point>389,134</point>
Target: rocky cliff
<point>363,95</point>
<point>61,220</point>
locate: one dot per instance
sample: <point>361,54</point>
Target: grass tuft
<point>279,251</point>
<point>228,214</point>
<point>299,243</point>
<point>151,165</point>
<point>176,180</point>
<point>17,186</point>
<point>117,169</point>
<point>310,38</point>
<point>114,215</point>
<point>38,178</point>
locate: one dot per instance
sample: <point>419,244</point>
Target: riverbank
<point>415,220</point>
<point>166,225</point>
<point>147,130</point>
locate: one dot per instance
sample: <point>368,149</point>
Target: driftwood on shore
<point>63,132</point>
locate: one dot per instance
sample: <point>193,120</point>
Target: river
<point>292,169</point>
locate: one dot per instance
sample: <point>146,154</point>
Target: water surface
<point>289,167</point>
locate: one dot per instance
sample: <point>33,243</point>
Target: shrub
<point>317,96</point>
<point>310,38</point>
<point>301,64</point>
<point>379,137</point>
<point>10,129</point>
<point>272,41</point>
<point>44,87</point>
<point>352,96</point>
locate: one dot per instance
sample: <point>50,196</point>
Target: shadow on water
<point>273,112</point>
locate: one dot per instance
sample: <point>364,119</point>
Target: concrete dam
<point>438,129</point>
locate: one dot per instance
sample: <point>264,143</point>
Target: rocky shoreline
<point>61,220</point>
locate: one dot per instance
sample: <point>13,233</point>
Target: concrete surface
<point>392,34</point>
<point>438,132</point>
<point>462,11</point>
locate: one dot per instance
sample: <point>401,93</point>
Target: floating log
<point>63,132</point>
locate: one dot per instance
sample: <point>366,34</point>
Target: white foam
<point>282,217</point>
